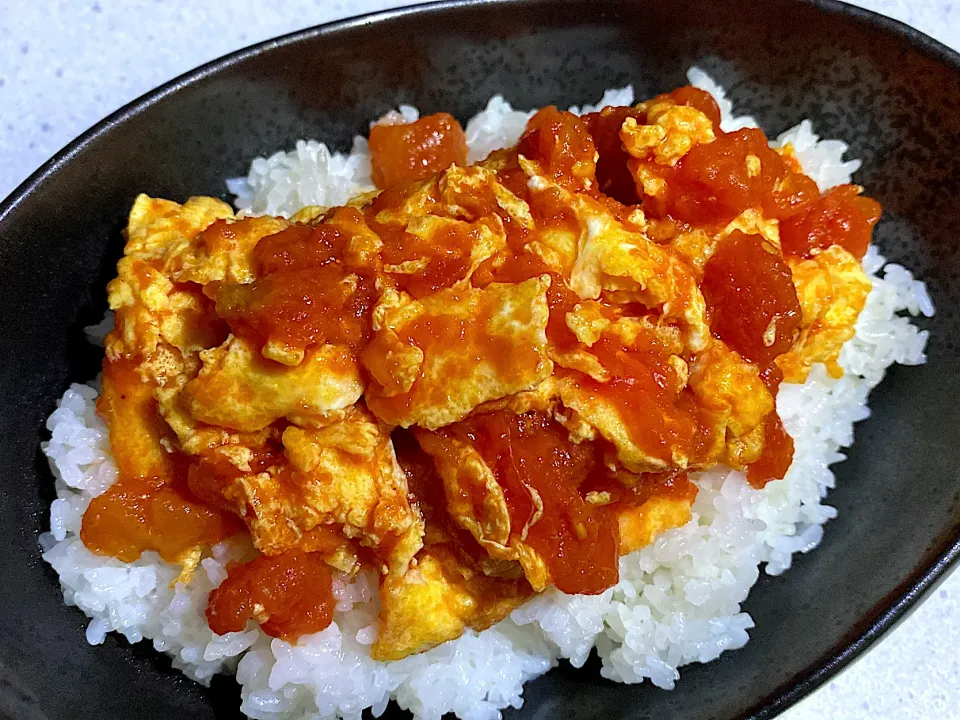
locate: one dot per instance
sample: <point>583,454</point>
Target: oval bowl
<point>891,92</point>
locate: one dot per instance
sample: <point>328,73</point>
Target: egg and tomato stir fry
<point>483,380</point>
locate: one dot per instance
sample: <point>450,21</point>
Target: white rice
<point>313,175</point>
<point>677,601</point>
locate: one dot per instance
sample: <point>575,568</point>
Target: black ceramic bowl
<point>891,92</point>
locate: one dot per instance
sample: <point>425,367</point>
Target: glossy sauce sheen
<point>448,251</point>
<point>841,217</point>
<point>289,595</point>
<point>659,414</point>
<point>150,507</point>
<point>752,302</point>
<point>306,294</point>
<point>565,148</point>
<point>578,543</point>
<point>417,150</point>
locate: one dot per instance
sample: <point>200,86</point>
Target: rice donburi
<point>478,382</point>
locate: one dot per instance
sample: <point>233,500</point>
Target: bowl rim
<point>896,605</point>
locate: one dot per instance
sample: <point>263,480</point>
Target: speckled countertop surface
<point>65,64</point>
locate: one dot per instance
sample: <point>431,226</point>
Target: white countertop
<point>66,64</point>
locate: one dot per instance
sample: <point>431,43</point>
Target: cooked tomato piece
<point>578,543</point>
<point>791,194</point>
<point>140,514</point>
<point>307,293</point>
<point>715,182</point>
<point>299,247</point>
<point>560,142</point>
<point>447,252</point>
<point>150,507</point>
<point>414,151</point>
<point>300,308</point>
<point>777,453</point>
<point>841,216</point>
<point>290,595</point>
<point>751,298</point>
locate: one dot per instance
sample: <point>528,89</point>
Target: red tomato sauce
<point>306,295</point>
<point>751,298</point>
<point>289,595</point>
<point>840,217</point>
<point>150,507</point>
<point>532,454</point>
<point>417,150</point>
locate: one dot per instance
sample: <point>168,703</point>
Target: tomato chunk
<point>417,150</point>
<point>751,298</point>
<point>578,543</point>
<point>140,514</point>
<point>150,507</point>
<point>447,252</point>
<point>289,595</point>
<point>301,308</point>
<point>777,453</point>
<point>715,182</point>
<point>841,216</point>
<point>299,247</point>
<point>560,142</point>
<point>792,194</point>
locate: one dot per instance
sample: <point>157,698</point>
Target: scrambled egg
<point>625,265</point>
<point>240,390</point>
<point>670,132</point>
<point>437,600</point>
<point>639,526</point>
<point>509,287</point>
<point>343,475</point>
<point>832,288</point>
<point>731,389</point>
<point>433,361</point>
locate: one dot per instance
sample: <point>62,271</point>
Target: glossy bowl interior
<point>892,93</point>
